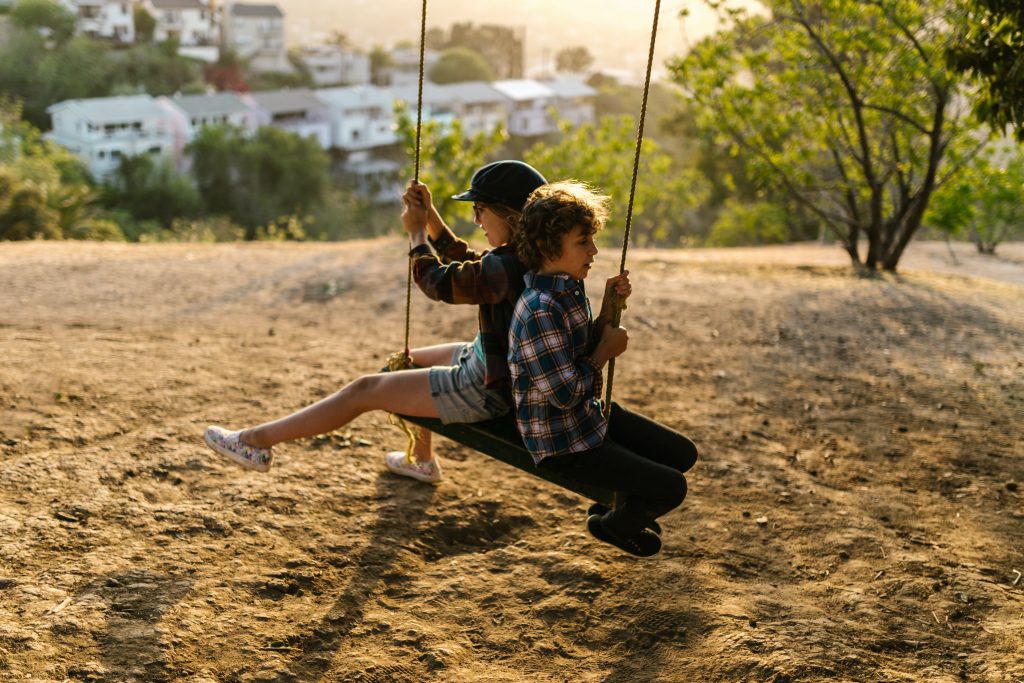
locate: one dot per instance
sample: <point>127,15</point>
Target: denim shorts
<point>458,390</point>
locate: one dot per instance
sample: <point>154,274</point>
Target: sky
<point>617,32</point>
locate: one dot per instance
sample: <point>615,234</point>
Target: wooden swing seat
<point>499,438</point>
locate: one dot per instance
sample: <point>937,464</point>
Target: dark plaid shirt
<point>493,280</point>
<point>555,384</point>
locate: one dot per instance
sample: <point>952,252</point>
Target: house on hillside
<point>573,100</point>
<point>189,22</point>
<point>332,65</point>
<point>298,111</point>
<point>103,130</point>
<point>361,117</point>
<point>528,102</point>
<point>189,114</point>
<point>478,106</point>
<point>109,19</point>
<point>255,33</point>
<point>404,69</point>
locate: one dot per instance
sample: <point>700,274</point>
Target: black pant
<point>641,459</point>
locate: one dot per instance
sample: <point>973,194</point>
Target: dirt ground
<point>856,514</point>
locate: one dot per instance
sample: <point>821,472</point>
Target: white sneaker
<point>429,472</point>
<point>229,445</point>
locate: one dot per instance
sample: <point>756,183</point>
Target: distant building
<point>477,106</point>
<point>361,117</point>
<point>101,131</point>
<point>189,114</point>
<point>331,65</point>
<point>256,33</point>
<point>104,19</point>
<point>529,104</point>
<point>190,22</point>
<point>573,100</point>
<point>298,111</point>
<point>405,65</point>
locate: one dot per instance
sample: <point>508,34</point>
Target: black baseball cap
<point>503,182</point>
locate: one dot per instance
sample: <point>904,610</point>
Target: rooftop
<point>112,109</point>
<point>523,89</point>
<point>284,101</point>
<point>242,10</point>
<point>217,103</point>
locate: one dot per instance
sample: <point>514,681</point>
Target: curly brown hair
<point>552,211</point>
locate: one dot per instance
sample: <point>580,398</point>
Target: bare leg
<point>405,392</point>
<point>429,356</point>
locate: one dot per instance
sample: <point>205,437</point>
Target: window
<point>154,150</point>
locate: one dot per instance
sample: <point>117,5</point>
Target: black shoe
<point>643,544</point>
<point>601,508</point>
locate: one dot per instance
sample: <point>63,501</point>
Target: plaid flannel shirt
<point>493,280</point>
<point>555,385</point>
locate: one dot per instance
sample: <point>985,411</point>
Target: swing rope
<point>619,303</point>
<point>416,171</point>
<point>403,360</point>
<point>500,438</point>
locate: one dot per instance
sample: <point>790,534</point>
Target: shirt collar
<point>558,282</point>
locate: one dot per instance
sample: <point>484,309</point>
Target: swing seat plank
<point>499,438</point>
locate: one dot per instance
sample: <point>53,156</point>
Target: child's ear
<point>544,252</point>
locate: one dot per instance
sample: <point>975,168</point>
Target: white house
<point>405,65</point>
<point>529,102</point>
<point>110,19</point>
<point>189,114</point>
<point>478,106</point>
<point>333,65</point>
<point>573,100</point>
<point>190,22</point>
<point>103,130</point>
<point>256,33</point>
<point>298,111</point>
<point>361,116</point>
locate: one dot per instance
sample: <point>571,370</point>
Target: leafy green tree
<point>145,24</point>
<point>576,59</point>
<point>24,212</point>
<point>991,49</point>
<point>380,61</point>
<point>48,191</point>
<point>448,158</point>
<point>154,69</point>
<point>257,180</point>
<point>986,201</point>
<point>151,189</point>
<point>82,67</point>
<point>49,16</point>
<point>40,76</point>
<point>601,155</point>
<point>460,64</point>
<point>847,108</point>
<point>748,224</point>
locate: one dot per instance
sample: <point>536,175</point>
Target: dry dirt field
<point>856,515</point>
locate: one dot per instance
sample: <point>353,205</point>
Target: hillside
<point>856,514</point>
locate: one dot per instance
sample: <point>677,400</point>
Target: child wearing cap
<point>461,382</point>
<point>557,351</point>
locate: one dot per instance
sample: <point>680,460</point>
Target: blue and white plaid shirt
<point>555,384</point>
